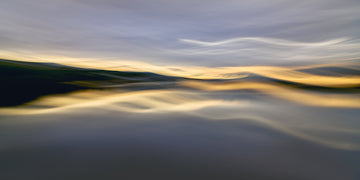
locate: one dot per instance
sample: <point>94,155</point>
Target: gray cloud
<point>151,31</point>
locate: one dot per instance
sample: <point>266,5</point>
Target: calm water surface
<point>197,131</point>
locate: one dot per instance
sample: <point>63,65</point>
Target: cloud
<point>265,51</point>
<point>272,41</point>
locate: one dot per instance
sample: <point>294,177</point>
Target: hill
<point>22,82</point>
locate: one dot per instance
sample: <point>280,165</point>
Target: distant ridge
<point>22,82</point>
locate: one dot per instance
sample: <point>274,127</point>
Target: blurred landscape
<point>179,90</point>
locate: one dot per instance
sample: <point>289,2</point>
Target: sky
<point>196,33</point>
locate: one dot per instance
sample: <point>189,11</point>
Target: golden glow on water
<point>137,102</point>
<point>290,94</point>
<point>203,104</point>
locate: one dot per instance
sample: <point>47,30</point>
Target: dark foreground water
<point>207,132</point>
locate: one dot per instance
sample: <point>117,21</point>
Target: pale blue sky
<point>187,32</point>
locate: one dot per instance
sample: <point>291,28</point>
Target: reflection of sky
<point>315,117</point>
<point>202,33</point>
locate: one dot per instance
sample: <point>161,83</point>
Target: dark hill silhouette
<point>22,82</point>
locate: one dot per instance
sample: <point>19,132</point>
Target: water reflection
<point>281,91</point>
<point>203,130</point>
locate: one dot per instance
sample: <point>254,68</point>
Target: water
<point>193,130</point>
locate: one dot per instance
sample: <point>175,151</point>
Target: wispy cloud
<point>272,41</point>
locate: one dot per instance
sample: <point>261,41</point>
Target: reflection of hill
<point>332,71</point>
<point>25,81</point>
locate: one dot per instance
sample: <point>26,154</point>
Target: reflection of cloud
<point>285,128</point>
